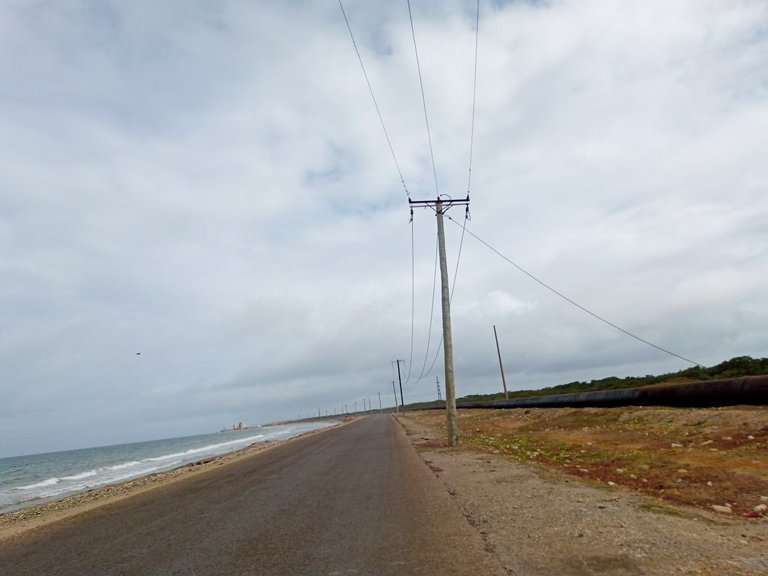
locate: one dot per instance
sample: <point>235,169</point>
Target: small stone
<point>611,483</point>
<point>676,445</point>
<point>760,508</point>
<point>750,437</point>
<point>706,443</point>
<point>682,471</point>
<point>620,470</point>
<point>722,509</point>
<point>709,483</point>
<point>763,498</point>
<point>727,438</point>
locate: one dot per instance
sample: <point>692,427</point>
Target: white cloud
<point>210,186</point>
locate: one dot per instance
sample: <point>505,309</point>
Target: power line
<point>576,304</point>
<point>453,289</point>
<point>423,99</point>
<point>413,303</point>
<point>474,98</point>
<point>375,103</point>
<point>431,315</point>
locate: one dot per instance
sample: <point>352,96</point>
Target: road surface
<point>353,500</point>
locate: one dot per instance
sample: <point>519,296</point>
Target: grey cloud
<point>209,186</point>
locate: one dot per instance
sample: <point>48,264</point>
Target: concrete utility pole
<point>501,366</point>
<point>380,410</point>
<point>440,206</point>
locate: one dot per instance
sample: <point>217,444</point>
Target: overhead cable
<point>453,287</point>
<point>431,315</point>
<point>576,304</point>
<point>413,302</point>
<point>423,99</point>
<point>375,103</point>
<point>474,98</point>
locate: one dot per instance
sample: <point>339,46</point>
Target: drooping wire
<point>469,180</point>
<point>423,100</point>
<point>474,98</point>
<point>576,304</point>
<point>375,103</point>
<point>431,315</point>
<point>413,302</point>
<point>453,288</point>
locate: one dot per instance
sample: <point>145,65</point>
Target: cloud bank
<point>209,185</point>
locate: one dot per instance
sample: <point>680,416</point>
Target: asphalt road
<point>353,500</point>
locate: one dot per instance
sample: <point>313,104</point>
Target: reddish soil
<point>694,457</point>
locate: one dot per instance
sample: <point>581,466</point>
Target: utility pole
<point>440,206</point>
<point>439,395</point>
<point>501,366</point>
<point>380,410</point>
<point>400,380</point>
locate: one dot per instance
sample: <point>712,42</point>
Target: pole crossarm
<point>446,202</point>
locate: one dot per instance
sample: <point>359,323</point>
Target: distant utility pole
<point>440,206</point>
<point>501,366</point>
<point>439,395</point>
<point>380,410</point>
<point>400,380</point>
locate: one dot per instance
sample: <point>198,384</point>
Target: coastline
<point>35,517</point>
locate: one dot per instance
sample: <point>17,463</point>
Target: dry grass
<point>694,457</point>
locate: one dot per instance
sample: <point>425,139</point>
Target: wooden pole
<point>501,366</point>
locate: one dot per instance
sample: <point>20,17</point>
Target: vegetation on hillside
<point>733,368</point>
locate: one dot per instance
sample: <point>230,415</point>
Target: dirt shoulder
<point>561,491</point>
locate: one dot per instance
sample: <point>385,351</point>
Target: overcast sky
<point>208,184</point>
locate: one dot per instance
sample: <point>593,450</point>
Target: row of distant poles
<point>400,381</point>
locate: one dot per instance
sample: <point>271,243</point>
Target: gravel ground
<point>541,522</point>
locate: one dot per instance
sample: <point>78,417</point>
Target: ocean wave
<point>82,475</point>
<point>43,484</point>
<point>123,465</point>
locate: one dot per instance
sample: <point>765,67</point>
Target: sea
<point>29,480</point>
